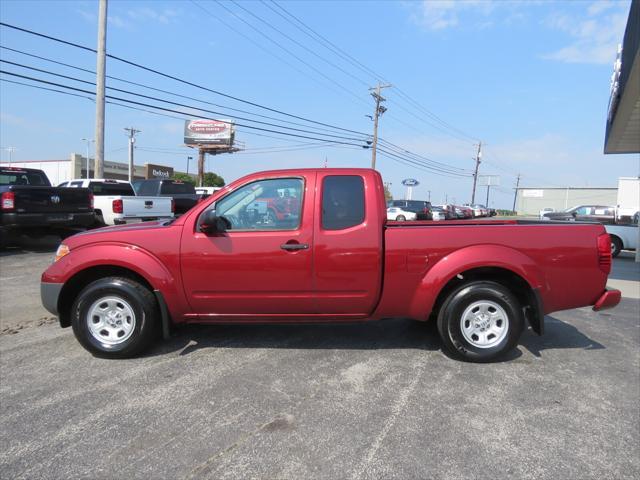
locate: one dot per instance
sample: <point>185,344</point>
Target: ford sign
<point>410,182</point>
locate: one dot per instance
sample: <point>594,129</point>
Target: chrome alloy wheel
<point>111,320</point>
<point>484,324</point>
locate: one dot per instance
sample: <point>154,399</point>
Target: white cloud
<point>594,37</point>
<point>164,16</point>
<point>441,14</point>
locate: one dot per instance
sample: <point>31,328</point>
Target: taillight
<point>116,206</point>
<point>173,206</point>
<point>8,200</point>
<point>91,201</point>
<point>604,252</point>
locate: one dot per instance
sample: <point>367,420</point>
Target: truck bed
<point>550,256</point>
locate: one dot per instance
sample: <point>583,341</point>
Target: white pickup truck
<point>116,203</point>
<point>623,237</point>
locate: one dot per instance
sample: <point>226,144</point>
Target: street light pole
<point>88,144</point>
<point>132,138</point>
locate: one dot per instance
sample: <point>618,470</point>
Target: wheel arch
<point>503,265</point>
<point>81,279</point>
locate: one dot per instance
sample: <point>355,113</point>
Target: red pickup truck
<point>335,258</point>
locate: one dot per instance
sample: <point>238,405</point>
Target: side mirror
<point>574,214</point>
<point>212,224</point>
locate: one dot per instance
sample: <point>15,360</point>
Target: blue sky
<point>530,79</point>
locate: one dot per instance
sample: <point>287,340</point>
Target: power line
<point>293,40</point>
<point>167,92</point>
<point>177,79</point>
<point>48,72</point>
<point>280,46</point>
<point>353,61</point>
<point>194,85</point>
<point>170,110</point>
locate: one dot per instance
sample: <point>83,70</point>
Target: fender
<point>131,257</point>
<point>476,256</point>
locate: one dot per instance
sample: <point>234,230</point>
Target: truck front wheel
<point>115,317</point>
<point>480,321</point>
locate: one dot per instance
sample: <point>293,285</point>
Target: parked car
<point>400,215</point>
<point>478,210</point>
<point>463,212</point>
<point>438,213</point>
<point>335,261</point>
<point>623,237</point>
<point>545,210</point>
<point>421,208</point>
<point>467,212</point>
<point>183,193</point>
<point>204,192</point>
<point>31,205</point>
<point>449,211</point>
<point>115,202</point>
<point>492,212</point>
<point>585,213</point>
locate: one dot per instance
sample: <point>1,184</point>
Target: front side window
<point>273,204</point>
<point>342,201</point>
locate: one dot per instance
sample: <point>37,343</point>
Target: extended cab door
<point>263,263</point>
<point>348,242</point>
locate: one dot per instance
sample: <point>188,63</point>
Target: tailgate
<point>147,207</point>
<point>51,200</point>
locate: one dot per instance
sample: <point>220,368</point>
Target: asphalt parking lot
<point>376,400</point>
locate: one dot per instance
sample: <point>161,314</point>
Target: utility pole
<point>201,154</point>
<point>132,139</point>
<point>100,81</point>
<point>88,144</point>
<point>429,195</point>
<point>376,114</point>
<point>487,202</point>
<point>10,150</point>
<point>475,175</point>
<point>515,195</point>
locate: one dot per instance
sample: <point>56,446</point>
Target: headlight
<point>61,252</point>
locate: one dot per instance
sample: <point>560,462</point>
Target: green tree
<point>183,177</point>
<point>213,180</point>
<point>387,194</point>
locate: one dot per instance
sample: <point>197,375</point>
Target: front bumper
<point>609,299</point>
<point>49,294</point>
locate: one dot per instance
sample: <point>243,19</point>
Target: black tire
<point>616,246</point>
<point>451,314</point>
<point>146,318</point>
<point>400,218</point>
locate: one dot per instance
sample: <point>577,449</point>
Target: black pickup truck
<point>29,204</point>
<point>183,193</point>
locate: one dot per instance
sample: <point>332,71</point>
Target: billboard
<point>209,132</point>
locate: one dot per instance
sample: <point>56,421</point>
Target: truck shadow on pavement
<point>378,335</point>
<point>558,335</point>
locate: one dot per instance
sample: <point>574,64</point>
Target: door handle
<point>294,246</point>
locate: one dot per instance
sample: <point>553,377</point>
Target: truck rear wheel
<point>115,317</point>
<point>616,246</point>
<point>480,321</point>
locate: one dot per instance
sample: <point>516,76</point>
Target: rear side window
<point>147,188</point>
<point>103,188</point>
<point>342,201</point>
<point>177,188</point>
<point>23,177</point>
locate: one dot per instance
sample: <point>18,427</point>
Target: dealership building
<point>60,171</point>
<point>529,201</point>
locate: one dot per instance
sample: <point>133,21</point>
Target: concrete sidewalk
<point>625,275</point>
